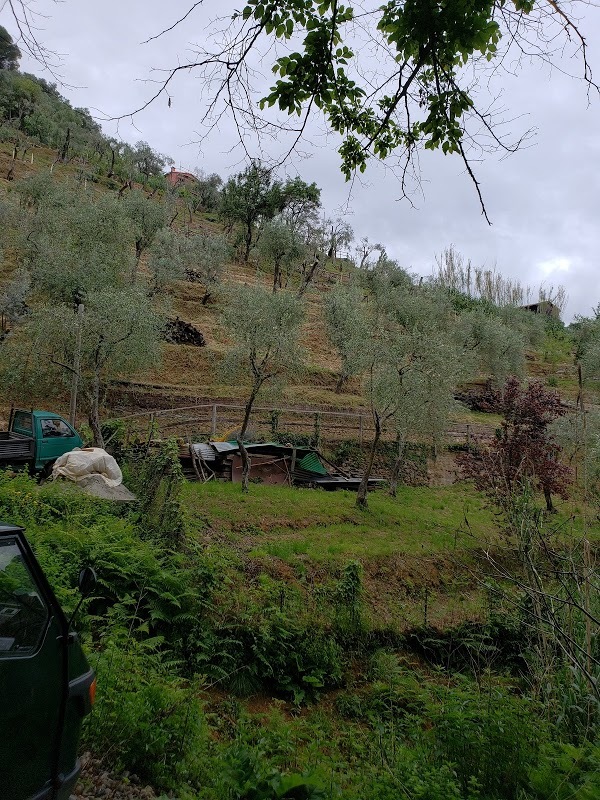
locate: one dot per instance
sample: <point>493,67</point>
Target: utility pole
<point>76,364</point>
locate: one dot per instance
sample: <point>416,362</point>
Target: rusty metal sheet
<point>269,469</point>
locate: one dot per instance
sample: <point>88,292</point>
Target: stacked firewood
<point>177,331</point>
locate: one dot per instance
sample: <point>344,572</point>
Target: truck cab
<point>46,684</point>
<point>48,436</point>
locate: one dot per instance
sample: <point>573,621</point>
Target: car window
<point>55,427</point>
<point>23,612</point>
<point>22,420</point>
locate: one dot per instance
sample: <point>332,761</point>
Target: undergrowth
<point>181,631</point>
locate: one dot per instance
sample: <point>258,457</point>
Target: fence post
<point>360,430</point>
<point>213,424</point>
<point>317,430</point>
<point>468,436</point>
<point>150,432</point>
<point>274,415</point>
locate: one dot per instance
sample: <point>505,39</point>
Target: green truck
<point>36,439</point>
<point>46,684</point>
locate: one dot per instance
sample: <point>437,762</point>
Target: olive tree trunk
<point>246,463</point>
<point>363,489</point>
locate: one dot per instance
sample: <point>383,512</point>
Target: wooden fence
<point>221,420</point>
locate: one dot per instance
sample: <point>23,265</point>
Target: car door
<point>56,439</point>
<point>32,673</point>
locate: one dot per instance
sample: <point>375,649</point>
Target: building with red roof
<point>177,178</point>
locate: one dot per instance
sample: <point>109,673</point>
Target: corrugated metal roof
<point>311,463</point>
<point>205,451</point>
<point>256,447</point>
<point>224,447</point>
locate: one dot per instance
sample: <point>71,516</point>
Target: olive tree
<point>118,333</point>
<point>590,355</point>
<point>347,328</point>
<point>412,350</point>
<point>205,256</point>
<point>425,395</point>
<point>281,248</point>
<point>492,347</point>
<point>364,250</point>
<point>340,235</point>
<point>13,307</point>
<point>414,363</point>
<point>147,162</point>
<point>203,194</point>
<point>147,217</point>
<point>264,329</point>
<point>578,435</point>
<point>399,338</point>
<point>200,258</point>
<point>166,259</point>
<point>249,199</point>
<point>72,242</point>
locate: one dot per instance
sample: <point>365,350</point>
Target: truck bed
<point>15,447</point>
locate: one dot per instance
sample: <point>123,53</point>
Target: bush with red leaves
<point>523,450</point>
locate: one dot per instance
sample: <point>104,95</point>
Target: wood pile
<point>177,331</point>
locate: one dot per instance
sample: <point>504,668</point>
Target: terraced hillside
<point>190,376</point>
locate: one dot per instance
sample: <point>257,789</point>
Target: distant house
<point>177,178</point>
<point>544,307</point>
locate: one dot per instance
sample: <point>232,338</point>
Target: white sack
<point>79,463</point>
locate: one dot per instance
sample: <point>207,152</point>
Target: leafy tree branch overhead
<point>388,80</point>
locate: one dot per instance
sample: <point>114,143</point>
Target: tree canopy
<point>9,52</point>
<point>73,243</point>
<point>119,332</point>
<point>387,79</point>
<point>265,328</point>
<point>525,449</point>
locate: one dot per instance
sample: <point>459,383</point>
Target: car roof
<point>47,414</point>
<point>6,528</point>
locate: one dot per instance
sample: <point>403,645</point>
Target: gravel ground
<point>96,782</point>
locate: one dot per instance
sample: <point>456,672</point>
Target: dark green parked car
<point>46,684</point>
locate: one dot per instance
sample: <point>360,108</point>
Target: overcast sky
<point>544,201</point>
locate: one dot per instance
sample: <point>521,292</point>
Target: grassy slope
<point>427,543</point>
<point>327,525</point>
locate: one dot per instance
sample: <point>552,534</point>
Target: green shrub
<point>157,479</point>
<point>565,772</point>
<point>145,720</point>
<point>248,775</point>
<point>348,604</point>
<point>273,653</point>
<point>487,737</point>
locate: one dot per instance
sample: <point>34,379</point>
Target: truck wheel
<point>45,472</point>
